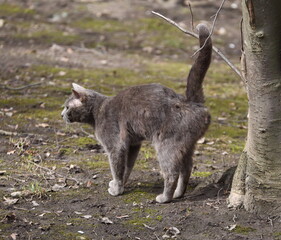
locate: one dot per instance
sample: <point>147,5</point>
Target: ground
<point>54,177</point>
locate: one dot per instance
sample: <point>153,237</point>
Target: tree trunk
<point>257,181</point>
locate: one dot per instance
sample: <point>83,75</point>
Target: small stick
<point>212,29</point>
<point>88,134</point>
<point>216,50</point>
<point>6,133</point>
<point>20,88</point>
<point>191,13</point>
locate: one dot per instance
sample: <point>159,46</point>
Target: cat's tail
<point>194,90</point>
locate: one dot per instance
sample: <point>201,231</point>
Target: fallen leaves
<point>106,220</point>
<point>43,125</point>
<point>171,232</point>
<point>10,201</point>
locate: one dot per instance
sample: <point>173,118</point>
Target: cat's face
<point>75,107</point>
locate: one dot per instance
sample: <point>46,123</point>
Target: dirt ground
<point>54,177</point>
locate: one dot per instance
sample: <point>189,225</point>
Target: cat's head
<point>76,107</point>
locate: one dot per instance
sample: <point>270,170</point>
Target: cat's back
<point>150,93</point>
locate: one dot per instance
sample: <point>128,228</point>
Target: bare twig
<point>191,13</point>
<point>88,134</point>
<point>216,50</point>
<point>53,172</point>
<point>6,133</point>
<point>212,29</point>
<point>146,226</point>
<point>19,88</point>
<point>156,236</point>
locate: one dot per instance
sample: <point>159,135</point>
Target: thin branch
<point>177,25</point>
<point>88,134</point>
<point>19,88</point>
<point>191,13</point>
<point>216,50</point>
<point>212,29</point>
<point>6,133</point>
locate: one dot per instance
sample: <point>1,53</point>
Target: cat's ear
<point>78,91</point>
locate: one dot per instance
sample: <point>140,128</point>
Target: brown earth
<point>53,177</point>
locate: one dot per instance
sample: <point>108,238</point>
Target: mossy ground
<point>58,164</point>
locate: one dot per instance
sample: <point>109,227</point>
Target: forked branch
<point>215,49</point>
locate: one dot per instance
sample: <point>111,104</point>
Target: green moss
<point>100,26</point>
<point>49,37</point>
<point>201,174</point>
<point>70,193</point>
<point>143,216</point>
<point>159,33</point>
<point>92,164</point>
<point>120,34</point>
<point>243,230</point>
<point>277,235</point>
<point>9,9</point>
<point>61,232</point>
<point>82,141</point>
<point>138,194</point>
<point>35,189</point>
<point>4,226</point>
<point>66,151</point>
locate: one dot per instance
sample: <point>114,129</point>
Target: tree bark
<point>257,181</point>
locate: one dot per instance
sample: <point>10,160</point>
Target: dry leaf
<point>202,140</point>
<point>231,227</point>
<point>172,232</point>
<point>106,220</point>
<point>35,204</point>
<point>20,193</point>
<point>43,125</point>
<point>57,187</point>
<point>10,201</point>
<point>11,152</point>
<point>14,236</point>
<point>60,133</point>
<point>62,73</point>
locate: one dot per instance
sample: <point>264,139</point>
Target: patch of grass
<point>9,9</point>
<point>138,194</point>
<point>66,151</point>
<point>35,189</point>
<point>100,26</point>
<point>144,215</point>
<point>159,34</point>
<point>61,231</point>
<point>99,161</point>
<point>49,37</point>
<point>243,230</point>
<point>146,155</point>
<point>277,235</point>
<point>201,174</point>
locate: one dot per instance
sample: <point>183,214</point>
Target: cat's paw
<point>178,194</point>
<point>162,199</point>
<point>115,189</point>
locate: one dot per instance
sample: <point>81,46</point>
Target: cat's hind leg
<point>132,156</point>
<point>168,160</point>
<point>185,172</point>
<point>117,160</point>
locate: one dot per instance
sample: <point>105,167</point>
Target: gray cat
<point>172,122</point>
